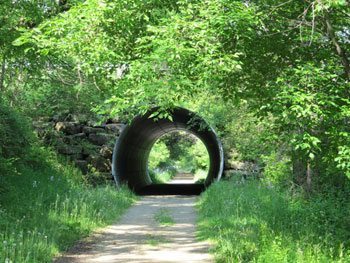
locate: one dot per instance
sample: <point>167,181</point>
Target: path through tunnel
<point>132,149</point>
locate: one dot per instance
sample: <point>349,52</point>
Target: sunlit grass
<point>44,210</point>
<point>253,223</point>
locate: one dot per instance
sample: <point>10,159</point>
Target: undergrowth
<point>250,222</point>
<point>45,207</point>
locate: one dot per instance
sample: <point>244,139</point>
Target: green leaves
<point>125,57</point>
<point>308,145</point>
<point>343,159</point>
<point>183,55</point>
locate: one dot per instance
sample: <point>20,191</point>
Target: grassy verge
<point>252,223</point>
<point>45,207</point>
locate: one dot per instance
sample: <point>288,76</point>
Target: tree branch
<point>341,53</point>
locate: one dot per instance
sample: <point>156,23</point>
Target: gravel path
<point>138,237</point>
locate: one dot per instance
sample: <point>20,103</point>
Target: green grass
<point>163,217</point>
<point>154,240</point>
<point>45,207</point>
<point>253,223</point>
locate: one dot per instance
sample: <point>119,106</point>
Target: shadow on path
<point>138,238</point>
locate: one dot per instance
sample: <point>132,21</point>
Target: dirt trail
<point>139,238</point>
<point>182,178</point>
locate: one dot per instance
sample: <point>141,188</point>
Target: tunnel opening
<point>133,147</point>
<point>178,157</point>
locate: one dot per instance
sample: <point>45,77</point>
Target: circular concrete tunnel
<point>132,149</point>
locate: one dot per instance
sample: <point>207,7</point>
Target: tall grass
<point>253,223</point>
<point>45,208</point>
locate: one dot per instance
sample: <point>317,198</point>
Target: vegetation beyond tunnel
<point>178,157</point>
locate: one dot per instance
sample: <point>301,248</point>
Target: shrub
<point>158,155</point>
<point>277,169</point>
<point>15,136</point>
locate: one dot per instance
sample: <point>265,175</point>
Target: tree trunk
<point>341,52</point>
<point>308,178</point>
<point>299,170</point>
<point>2,75</point>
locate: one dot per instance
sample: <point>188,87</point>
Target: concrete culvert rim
<point>132,148</point>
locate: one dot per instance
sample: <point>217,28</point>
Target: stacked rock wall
<point>89,146</point>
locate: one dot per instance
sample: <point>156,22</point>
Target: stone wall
<point>89,146</point>
<point>233,166</point>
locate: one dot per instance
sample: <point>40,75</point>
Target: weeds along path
<point>156,229</point>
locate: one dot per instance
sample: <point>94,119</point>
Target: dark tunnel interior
<point>131,152</point>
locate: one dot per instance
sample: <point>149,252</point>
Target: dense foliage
<point>272,78</point>
<point>286,63</point>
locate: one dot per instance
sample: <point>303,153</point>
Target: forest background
<point>271,77</point>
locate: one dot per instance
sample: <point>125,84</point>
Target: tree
<point>287,59</point>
